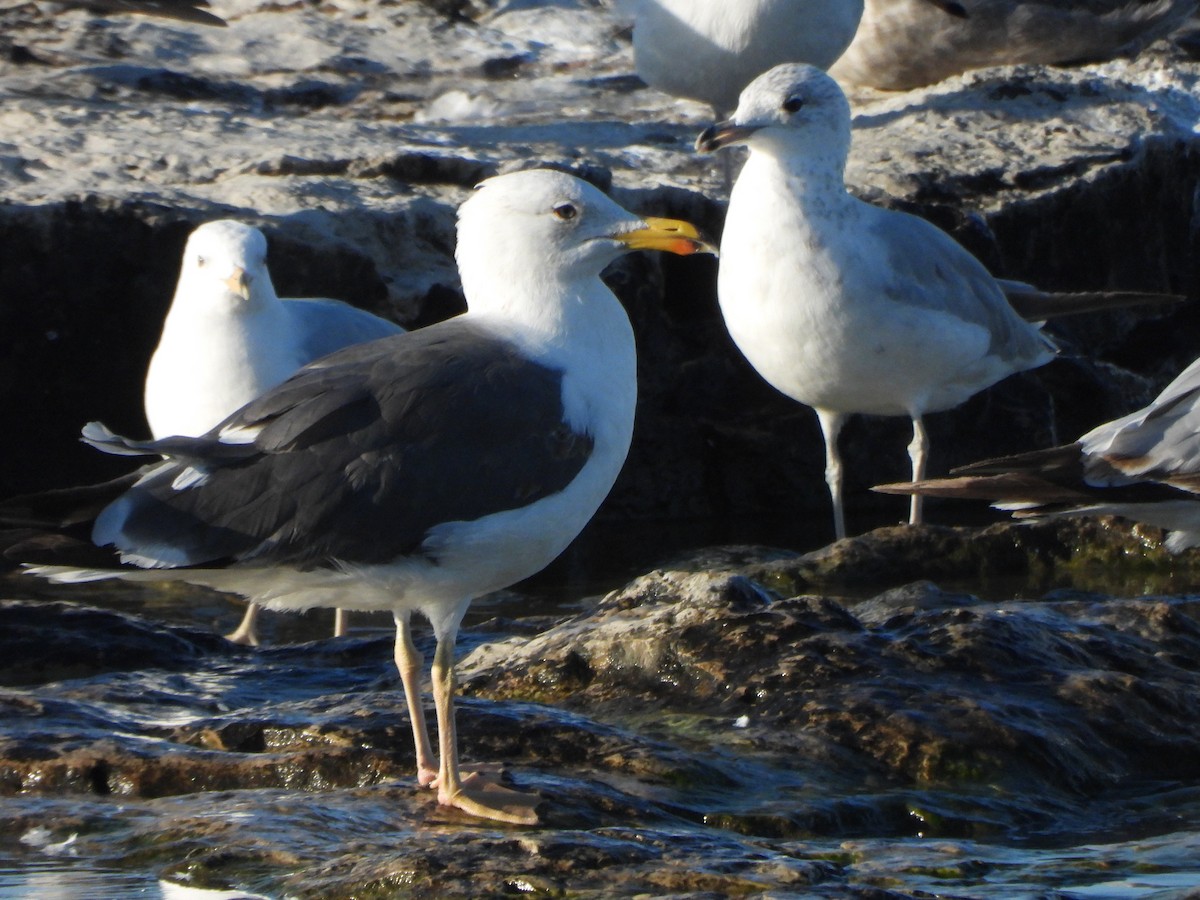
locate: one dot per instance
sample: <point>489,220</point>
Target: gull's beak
<point>239,283</point>
<point>671,235</point>
<point>723,134</point>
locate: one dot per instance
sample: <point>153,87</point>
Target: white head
<point>225,268</point>
<point>793,111</point>
<point>539,226</point>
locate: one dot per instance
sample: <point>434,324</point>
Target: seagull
<point>841,305</point>
<point>902,44</point>
<point>182,10</point>
<point>708,50</point>
<point>412,473</point>
<point>1144,466</point>
<point>228,338</point>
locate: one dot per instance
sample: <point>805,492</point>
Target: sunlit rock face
<point>351,131</point>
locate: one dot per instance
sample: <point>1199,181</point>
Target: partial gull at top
<point>841,305</point>
<point>902,44</point>
<point>413,473</point>
<point>708,50</point>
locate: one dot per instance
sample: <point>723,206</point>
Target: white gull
<point>228,338</point>
<point>841,305</point>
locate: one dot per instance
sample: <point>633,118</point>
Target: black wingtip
<point>952,8</point>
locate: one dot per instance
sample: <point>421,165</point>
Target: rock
<point>1066,697</point>
<point>350,131</point>
<point>52,641</point>
<point>707,730</point>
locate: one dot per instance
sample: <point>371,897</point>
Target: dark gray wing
<point>355,458</point>
<point>182,10</point>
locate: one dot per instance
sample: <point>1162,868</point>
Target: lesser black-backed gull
<point>416,472</point>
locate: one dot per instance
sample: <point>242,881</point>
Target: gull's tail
<point>1034,305</point>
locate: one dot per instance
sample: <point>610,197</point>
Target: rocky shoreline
<point>704,730</point>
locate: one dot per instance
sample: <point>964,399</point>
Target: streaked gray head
<point>225,262</point>
<point>793,108</point>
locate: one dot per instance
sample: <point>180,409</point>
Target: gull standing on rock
<point>228,338</point>
<point>902,44</point>
<point>841,305</point>
<point>414,473</point>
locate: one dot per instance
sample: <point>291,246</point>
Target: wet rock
<point>55,641</point>
<point>709,730</point>
<point>1063,697</point>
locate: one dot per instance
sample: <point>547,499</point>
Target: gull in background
<point>228,338</point>
<point>195,11</point>
<point>1144,466</point>
<point>902,44</point>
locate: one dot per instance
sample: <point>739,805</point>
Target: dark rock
<point>55,641</point>
<point>921,687</point>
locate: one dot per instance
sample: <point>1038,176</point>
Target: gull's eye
<point>201,262</point>
<point>566,211</point>
<point>793,104</point>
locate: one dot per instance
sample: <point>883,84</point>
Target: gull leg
<point>918,452</point>
<point>491,801</point>
<point>341,621</point>
<point>831,427</point>
<point>245,633</point>
<point>409,662</point>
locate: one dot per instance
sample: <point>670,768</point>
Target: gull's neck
<point>546,306</point>
<point>811,171</point>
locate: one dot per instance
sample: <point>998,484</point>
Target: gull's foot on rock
<point>494,802</point>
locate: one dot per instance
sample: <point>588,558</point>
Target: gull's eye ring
<point>566,211</point>
<point>793,104</point>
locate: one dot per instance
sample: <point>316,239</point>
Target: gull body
<point>708,50</point>
<point>417,472</point>
<point>228,338</point>
<point>843,306</point>
<point>1144,466</point>
<point>902,44</point>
